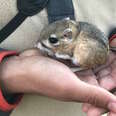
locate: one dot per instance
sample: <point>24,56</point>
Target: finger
<point>88,108</point>
<point>92,110</point>
<point>106,79</point>
<point>85,107</point>
<point>107,82</point>
<point>94,95</point>
<point>87,76</point>
<point>95,111</point>
<point>90,78</point>
<point>104,72</point>
<point>111,114</point>
<point>111,58</point>
<point>113,65</point>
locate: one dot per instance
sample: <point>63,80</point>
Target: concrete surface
<point>99,12</point>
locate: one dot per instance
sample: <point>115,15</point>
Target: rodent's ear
<point>78,27</point>
<point>67,33</point>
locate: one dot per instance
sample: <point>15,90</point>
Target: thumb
<point>94,95</point>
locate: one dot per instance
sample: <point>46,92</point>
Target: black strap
<point>12,26</point>
<point>59,9</point>
<point>26,8</point>
<point>31,7</point>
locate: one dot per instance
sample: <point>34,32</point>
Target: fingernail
<point>112,106</point>
<point>85,109</point>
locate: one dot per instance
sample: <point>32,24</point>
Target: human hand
<point>106,78</point>
<point>30,72</point>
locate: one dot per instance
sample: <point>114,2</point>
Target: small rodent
<point>80,42</point>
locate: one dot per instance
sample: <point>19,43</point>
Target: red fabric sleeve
<point>4,105</point>
<point>112,38</point>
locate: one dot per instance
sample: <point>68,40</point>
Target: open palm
<point>105,77</point>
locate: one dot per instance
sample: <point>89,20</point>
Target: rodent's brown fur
<point>89,45</point>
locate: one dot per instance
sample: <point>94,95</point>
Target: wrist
<point>9,70</point>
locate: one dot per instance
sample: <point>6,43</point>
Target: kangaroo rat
<point>80,42</point>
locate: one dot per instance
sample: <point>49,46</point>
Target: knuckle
<point>93,100</point>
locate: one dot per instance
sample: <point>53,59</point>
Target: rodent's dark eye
<point>53,40</point>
